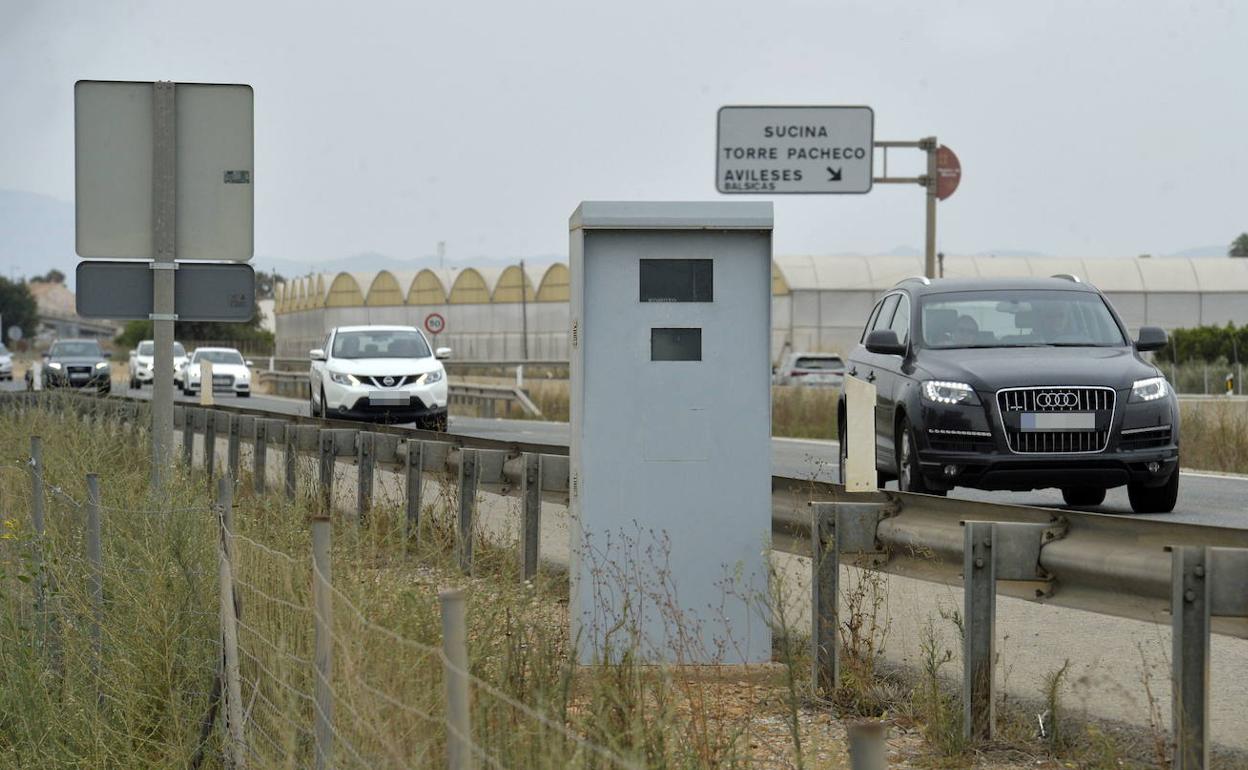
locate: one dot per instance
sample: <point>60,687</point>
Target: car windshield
<point>822,363</point>
<point>1016,319</point>
<point>149,348</point>
<point>219,356</point>
<point>75,349</point>
<point>380,343</point>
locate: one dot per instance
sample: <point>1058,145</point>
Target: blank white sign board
<point>113,158</point>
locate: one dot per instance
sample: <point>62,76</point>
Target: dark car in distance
<point>75,364</point>
<point>1017,384</point>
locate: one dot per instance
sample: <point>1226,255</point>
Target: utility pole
<point>524,313</point>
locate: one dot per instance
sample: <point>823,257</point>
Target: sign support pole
<point>164,205</point>
<point>929,253</point>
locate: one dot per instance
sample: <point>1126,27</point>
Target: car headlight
<point>101,365</point>
<point>53,365</point>
<point>343,379</point>
<point>940,392</point>
<point>432,377</point>
<point>1150,389</point>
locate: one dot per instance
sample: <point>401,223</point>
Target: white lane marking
<point>1214,475</point>
<point>811,441</point>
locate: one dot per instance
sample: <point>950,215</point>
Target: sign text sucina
<point>773,150</point>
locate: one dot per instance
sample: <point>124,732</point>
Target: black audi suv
<point>76,364</point>
<point>1017,384</point>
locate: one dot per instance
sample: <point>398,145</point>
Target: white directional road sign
<point>779,150</point>
<point>113,158</point>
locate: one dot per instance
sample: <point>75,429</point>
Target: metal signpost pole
<point>929,145</point>
<point>164,210</point>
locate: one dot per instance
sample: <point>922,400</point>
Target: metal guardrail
<point>1149,570</point>
<point>487,397</point>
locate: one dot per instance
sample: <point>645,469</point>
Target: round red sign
<point>435,323</point>
<point>948,172</point>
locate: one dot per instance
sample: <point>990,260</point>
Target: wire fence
<point>191,631</point>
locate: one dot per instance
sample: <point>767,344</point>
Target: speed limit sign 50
<point>435,323</point>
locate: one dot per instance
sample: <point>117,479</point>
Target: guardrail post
<point>825,567</point>
<point>327,457</point>
<point>233,451</point>
<point>531,518</point>
<point>979,620</point>
<point>188,437</point>
<point>210,443</point>
<point>415,467</point>
<point>291,460</point>
<point>455,667</point>
<point>259,452</point>
<point>467,505</point>
<point>364,455</point>
<point>323,616</point>
<point>37,522</point>
<point>229,621</point>
<point>1190,625</point>
<point>95,578</point>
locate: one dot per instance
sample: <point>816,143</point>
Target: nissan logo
<point>388,381</point>
<point>1057,400</point>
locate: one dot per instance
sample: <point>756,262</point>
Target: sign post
<point>162,172</point>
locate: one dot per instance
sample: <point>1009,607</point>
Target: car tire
<point>909,476</point>
<point>323,412</point>
<point>1083,497</point>
<point>1155,499</point>
<point>842,454</point>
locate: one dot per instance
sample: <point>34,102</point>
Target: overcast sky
<point>1084,128</point>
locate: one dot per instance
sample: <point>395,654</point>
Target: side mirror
<point>107,354</point>
<point>442,353</point>
<point>249,363</point>
<point>316,354</point>
<point>884,342</point>
<point>133,353</point>
<point>45,356</point>
<point>1151,338</point>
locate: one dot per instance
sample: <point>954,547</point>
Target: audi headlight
<point>432,377</point>
<point>343,379</point>
<point>53,365</point>
<point>1150,389</point>
<point>101,365</point>
<point>940,392</point>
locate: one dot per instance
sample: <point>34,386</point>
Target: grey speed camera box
<point>671,423</point>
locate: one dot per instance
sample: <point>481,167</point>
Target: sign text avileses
<point>773,150</point>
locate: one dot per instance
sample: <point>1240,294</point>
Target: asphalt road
<point>1204,498</point>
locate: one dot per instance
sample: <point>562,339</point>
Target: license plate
<point>387,398</point>
<point>1031,421</point>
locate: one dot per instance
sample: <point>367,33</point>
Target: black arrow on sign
<point>834,174</point>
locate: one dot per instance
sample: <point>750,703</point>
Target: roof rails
<point>1068,276</point>
<point>920,278</point>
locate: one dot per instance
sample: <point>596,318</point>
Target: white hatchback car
<point>383,373</point>
<point>230,372</point>
<point>143,357</point>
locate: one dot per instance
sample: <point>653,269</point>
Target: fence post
<point>210,443</point>
<point>323,615</point>
<point>364,456</point>
<point>327,457</point>
<point>825,568</point>
<point>259,455</point>
<point>36,516</point>
<point>188,436</point>
<point>415,468</point>
<point>979,582</point>
<point>467,505</point>
<point>531,518</point>
<point>292,460</point>
<point>232,453</point>
<point>95,578</point>
<point>229,621</point>
<point>455,667</point>
<point>1190,627</point>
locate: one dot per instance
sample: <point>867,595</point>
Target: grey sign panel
<point>786,150</point>
<point>203,291</point>
<point>113,150</point>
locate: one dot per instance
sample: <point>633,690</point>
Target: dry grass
<point>1215,435</point>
